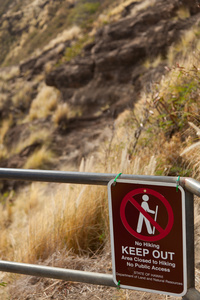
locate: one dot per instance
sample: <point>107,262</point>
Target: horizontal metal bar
<point>73,177</point>
<point>190,184</point>
<point>57,273</point>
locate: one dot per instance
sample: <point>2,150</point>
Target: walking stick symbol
<point>155,218</point>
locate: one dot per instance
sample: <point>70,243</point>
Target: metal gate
<point>191,187</point>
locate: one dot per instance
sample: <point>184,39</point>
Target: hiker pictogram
<point>146,216</point>
<point>142,219</point>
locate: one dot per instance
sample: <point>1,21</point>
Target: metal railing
<point>191,186</point>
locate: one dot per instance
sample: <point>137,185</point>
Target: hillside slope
<point>97,86</point>
<point>101,72</point>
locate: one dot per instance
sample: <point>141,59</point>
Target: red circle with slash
<point>162,232</point>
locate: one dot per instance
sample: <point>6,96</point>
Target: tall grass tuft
<point>40,159</point>
<point>44,104</point>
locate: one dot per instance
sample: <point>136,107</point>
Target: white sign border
<point>183,237</point>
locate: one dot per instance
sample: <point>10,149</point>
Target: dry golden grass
<point>191,155</point>
<point>23,97</point>
<point>62,113</point>
<point>153,64</point>
<point>143,5</point>
<point>68,34</point>
<point>179,51</point>
<point>40,159</point>
<point>42,136</point>
<point>3,152</point>
<point>115,12</point>
<point>49,67</point>
<point>44,104</point>
<point>183,12</point>
<point>50,217</point>
<point>9,73</point>
<point>5,125</point>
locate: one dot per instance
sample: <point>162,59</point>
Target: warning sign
<point>147,223</point>
<point>145,214</point>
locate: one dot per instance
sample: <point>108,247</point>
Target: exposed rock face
<point>37,63</point>
<point>113,71</point>
<point>74,75</point>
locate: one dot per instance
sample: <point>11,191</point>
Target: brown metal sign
<point>147,224</point>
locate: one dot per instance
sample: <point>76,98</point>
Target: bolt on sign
<point>148,236</point>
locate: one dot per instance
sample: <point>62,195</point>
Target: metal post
<point>192,293</point>
<point>189,210</point>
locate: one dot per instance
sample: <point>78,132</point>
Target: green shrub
<point>82,12</point>
<point>178,103</point>
<point>76,48</point>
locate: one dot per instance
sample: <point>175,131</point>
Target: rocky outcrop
<point>112,71</point>
<point>36,64</point>
<point>72,76</point>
